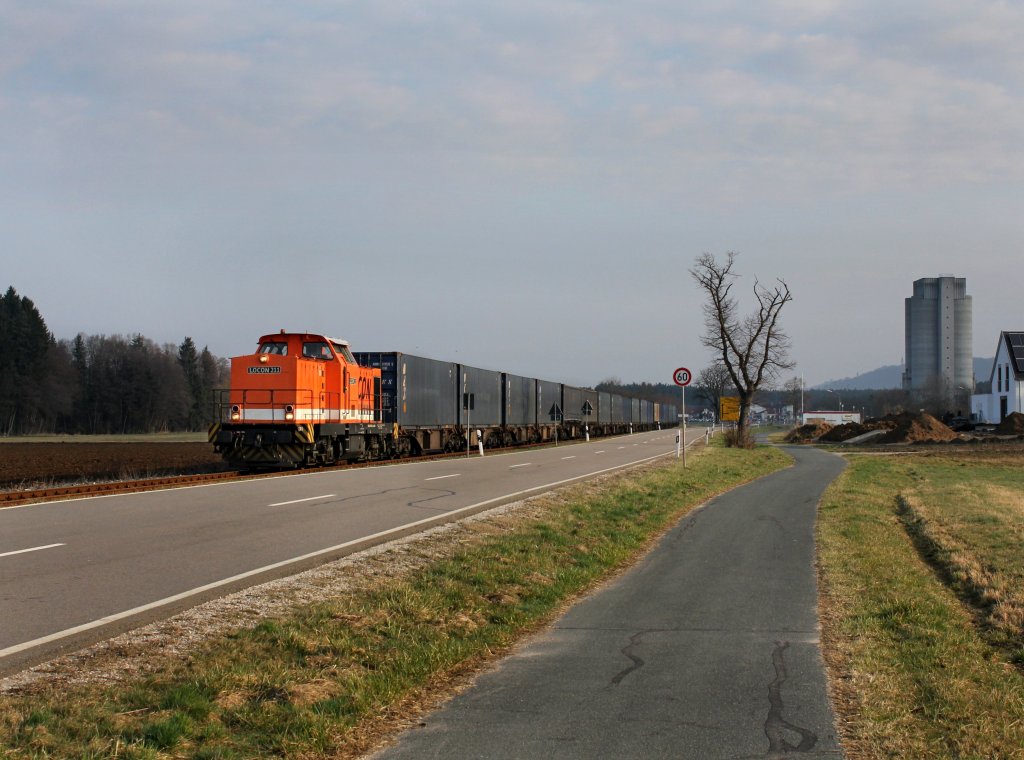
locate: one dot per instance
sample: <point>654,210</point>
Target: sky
<point>514,185</point>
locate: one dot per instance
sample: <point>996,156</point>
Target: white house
<point>1007,378</point>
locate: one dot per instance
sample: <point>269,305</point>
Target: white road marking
<point>284,563</point>
<point>599,452</point>
<point>33,549</point>
<point>572,457</point>
<point>299,501</point>
<point>524,464</point>
<point>442,477</point>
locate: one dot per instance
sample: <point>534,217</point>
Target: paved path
<point>707,649</point>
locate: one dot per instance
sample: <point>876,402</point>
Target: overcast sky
<point>518,185</point>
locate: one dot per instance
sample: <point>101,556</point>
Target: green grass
<point>916,669</point>
<point>323,680</point>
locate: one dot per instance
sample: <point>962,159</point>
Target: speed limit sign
<point>682,376</point>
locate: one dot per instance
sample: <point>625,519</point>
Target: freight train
<point>305,399</point>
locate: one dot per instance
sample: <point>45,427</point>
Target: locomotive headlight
<point>236,413</point>
<point>264,358</point>
<point>289,413</point>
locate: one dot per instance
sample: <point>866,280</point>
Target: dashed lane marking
<point>299,501</point>
<point>33,549</point>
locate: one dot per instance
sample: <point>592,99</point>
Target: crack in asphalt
<point>440,493</point>
<point>775,723</point>
<point>627,650</point>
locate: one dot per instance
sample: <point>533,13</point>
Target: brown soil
<point>39,464</point>
<point>916,428</point>
<point>845,432</point>
<point>808,433</point>
<point>1012,425</point>
<point>901,428</point>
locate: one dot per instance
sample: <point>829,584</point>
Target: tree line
<point>99,384</point>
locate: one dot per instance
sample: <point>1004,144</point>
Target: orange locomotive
<point>301,399</point>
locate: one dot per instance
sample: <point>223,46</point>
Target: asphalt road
<point>708,649</point>
<point>76,572</point>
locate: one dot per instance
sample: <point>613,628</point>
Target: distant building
<point>1006,394</point>
<point>938,337</point>
<point>832,418</point>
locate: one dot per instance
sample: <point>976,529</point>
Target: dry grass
<point>968,563</point>
<point>913,674</point>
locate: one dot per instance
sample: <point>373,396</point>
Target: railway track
<point>13,498</point>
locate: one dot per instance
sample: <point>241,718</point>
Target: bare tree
<point>793,393</point>
<point>754,349</point>
<point>712,383</point>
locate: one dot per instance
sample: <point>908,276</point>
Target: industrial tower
<point>938,337</point>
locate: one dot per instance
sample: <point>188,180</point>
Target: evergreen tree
<point>188,358</point>
<point>24,344</point>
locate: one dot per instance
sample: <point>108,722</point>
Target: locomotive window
<point>280,349</point>
<point>343,350</point>
<point>317,350</point>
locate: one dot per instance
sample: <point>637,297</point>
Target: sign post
<point>682,378</point>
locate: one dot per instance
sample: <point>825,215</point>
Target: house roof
<point>1014,342</point>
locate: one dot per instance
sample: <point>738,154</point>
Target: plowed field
<point>35,464</point>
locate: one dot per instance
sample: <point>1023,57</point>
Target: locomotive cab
<point>299,399</point>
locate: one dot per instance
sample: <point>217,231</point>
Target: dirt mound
<point>845,432</point>
<point>808,433</point>
<point>1012,425</point>
<point>916,428</point>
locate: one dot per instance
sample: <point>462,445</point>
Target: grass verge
<point>330,678</point>
<point>920,563</point>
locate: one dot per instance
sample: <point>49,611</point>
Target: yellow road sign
<point>729,409</point>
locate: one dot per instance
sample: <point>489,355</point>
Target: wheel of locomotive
<point>492,440</point>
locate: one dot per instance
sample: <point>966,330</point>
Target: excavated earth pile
<point>845,432</point>
<point>808,433</point>
<point>909,427</point>
<point>1012,425</point>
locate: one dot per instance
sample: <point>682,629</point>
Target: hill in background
<point>891,376</point>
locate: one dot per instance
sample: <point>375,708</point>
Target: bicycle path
<point>708,648</point>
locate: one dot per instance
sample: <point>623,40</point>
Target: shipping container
<point>604,409</point>
<point>621,414</point>
<point>484,386</point>
<point>589,406</point>
<point>647,412</point>
<point>572,400</point>
<point>635,412</point>
<point>415,391</point>
<point>520,401</point>
<point>549,402</point>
